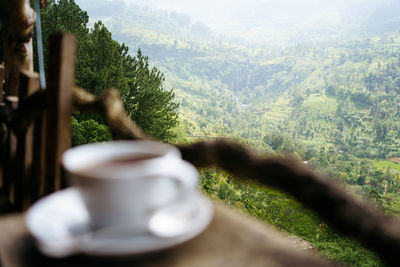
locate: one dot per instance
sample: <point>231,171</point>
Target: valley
<point>333,103</point>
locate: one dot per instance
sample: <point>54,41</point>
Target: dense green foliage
<point>285,213</point>
<point>333,105</point>
<point>103,63</point>
<point>88,131</point>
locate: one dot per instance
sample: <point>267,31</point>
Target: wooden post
<point>61,68</point>
<point>18,23</point>
<point>10,156</point>
<point>29,84</point>
<point>1,125</point>
<point>18,20</point>
<point>39,160</point>
<point>1,82</point>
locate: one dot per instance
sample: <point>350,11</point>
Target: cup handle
<point>174,168</point>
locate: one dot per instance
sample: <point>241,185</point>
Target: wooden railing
<point>36,127</point>
<point>35,130</point>
<point>35,121</point>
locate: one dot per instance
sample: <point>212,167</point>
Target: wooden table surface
<point>232,239</point>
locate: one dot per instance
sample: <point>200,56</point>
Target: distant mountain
<point>102,7</point>
<point>276,22</point>
<point>289,22</point>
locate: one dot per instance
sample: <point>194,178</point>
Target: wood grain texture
<point>10,150</point>
<point>18,24</point>
<point>2,72</point>
<point>232,239</point>
<point>61,68</point>
<point>29,84</point>
<point>3,131</point>
<point>39,160</point>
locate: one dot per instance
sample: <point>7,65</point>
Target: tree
<point>103,63</point>
<point>88,131</point>
<point>381,129</point>
<point>65,16</point>
<point>152,107</point>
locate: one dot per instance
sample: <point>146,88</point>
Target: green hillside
<point>337,91</point>
<point>334,105</point>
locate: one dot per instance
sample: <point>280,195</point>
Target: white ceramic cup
<point>117,191</point>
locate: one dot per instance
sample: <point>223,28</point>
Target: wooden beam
<point>29,84</point>
<point>2,71</point>
<point>39,160</point>
<point>2,132</point>
<point>10,150</point>
<point>28,111</point>
<point>18,24</point>
<point>61,68</point>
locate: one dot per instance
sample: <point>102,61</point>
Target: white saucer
<point>60,225</point>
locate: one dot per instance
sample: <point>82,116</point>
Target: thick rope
<point>347,214</point>
<point>321,194</point>
<point>111,107</point>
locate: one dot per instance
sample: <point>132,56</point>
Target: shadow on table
<point>232,239</point>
